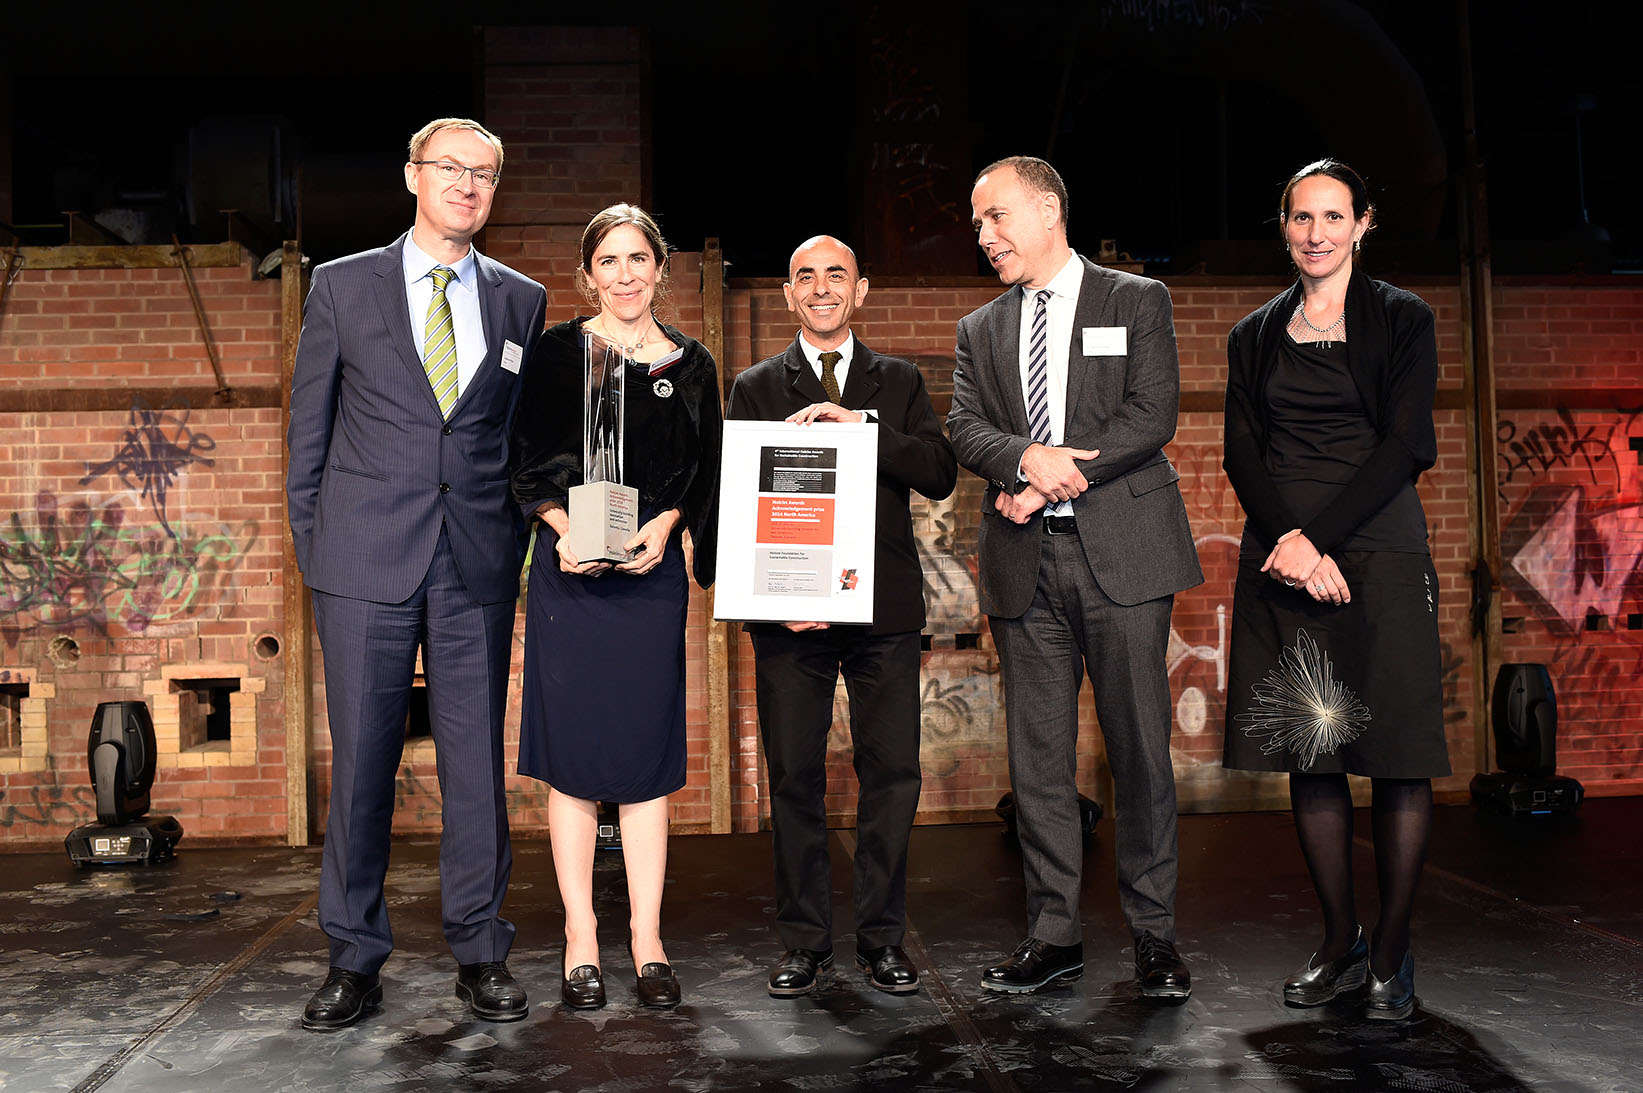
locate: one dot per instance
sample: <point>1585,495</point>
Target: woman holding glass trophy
<point>616,449</point>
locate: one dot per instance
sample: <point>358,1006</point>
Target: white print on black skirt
<point>1302,707</point>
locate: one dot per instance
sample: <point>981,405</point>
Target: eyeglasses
<point>484,178</point>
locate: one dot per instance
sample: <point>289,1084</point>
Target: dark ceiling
<point>1174,123</point>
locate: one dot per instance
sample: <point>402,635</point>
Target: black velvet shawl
<point>670,446</point>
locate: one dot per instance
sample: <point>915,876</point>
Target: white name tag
<point>511,356</point>
<point>1106,341</point>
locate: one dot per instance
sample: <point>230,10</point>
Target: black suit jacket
<point>913,455</point>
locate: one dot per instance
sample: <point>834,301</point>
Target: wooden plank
<point>144,256</point>
<point>47,400</point>
<point>720,724</point>
<point>298,609</point>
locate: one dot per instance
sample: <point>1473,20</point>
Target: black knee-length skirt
<point>1320,689</point>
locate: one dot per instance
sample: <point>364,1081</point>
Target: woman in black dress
<point>1335,665</point>
<point>604,686</point>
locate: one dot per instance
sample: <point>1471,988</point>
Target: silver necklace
<point>1334,332</point>
<point>628,350</point>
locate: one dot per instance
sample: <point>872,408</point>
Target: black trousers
<point>797,675</point>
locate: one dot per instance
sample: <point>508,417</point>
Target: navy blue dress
<point>603,712</point>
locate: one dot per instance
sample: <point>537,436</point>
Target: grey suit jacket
<point>375,470</point>
<point>1131,521</point>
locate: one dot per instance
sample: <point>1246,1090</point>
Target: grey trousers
<point>1073,628</point>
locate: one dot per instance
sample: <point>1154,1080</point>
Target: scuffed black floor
<point>190,976</point>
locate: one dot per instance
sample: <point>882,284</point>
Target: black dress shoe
<point>1394,999</point>
<point>888,969</point>
<point>1317,983</point>
<point>1034,965</point>
<point>657,986</point>
<point>1159,968</point>
<point>583,989</point>
<point>491,992</point>
<point>345,998</point>
<point>796,972</point>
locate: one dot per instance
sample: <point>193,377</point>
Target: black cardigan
<point>1392,354</point>
<point>670,449</point>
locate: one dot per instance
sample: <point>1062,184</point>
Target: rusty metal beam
<point>297,616</point>
<point>223,390</point>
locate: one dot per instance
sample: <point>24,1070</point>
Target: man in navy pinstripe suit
<point>406,380</point>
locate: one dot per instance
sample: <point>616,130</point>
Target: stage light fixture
<point>121,754</point>
<point>1523,713</point>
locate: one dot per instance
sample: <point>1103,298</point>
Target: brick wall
<point>1571,514</point>
<point>140,545</point>
<point>141,541</point>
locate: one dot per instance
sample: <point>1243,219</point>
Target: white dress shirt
<point>462,293</point>
<point>1063,289</point>
<point>841,367</point>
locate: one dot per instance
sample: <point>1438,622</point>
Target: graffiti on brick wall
<point>157,445</point>
<point>54,807</point>
<point>87,564</point>
<point>1572,555</point>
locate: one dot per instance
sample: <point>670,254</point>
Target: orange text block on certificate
<point>796,520</point>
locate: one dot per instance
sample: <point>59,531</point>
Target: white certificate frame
<point>798,508</point>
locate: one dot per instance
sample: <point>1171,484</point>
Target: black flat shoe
<point>657,986</point>
<point>797,971</point>
<point>344,998</point>
<point>1394,999</point>
<point>1035,965</point>
<point>583,989</point>
<point>491,991</point>
<point>1159,969</point>
<point>1317,983</point>
<point>888,969</point>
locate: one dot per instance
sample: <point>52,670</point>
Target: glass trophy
<point>604,513</point>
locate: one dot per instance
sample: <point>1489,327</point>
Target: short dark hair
<point>1036,175</point>
<point>1340,172</point>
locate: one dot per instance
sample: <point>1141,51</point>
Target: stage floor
<point>191,975</point>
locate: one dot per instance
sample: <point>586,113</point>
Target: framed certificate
<point>797,508</point>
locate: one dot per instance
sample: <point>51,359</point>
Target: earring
<point>1357,244</point>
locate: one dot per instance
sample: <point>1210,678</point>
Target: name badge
<point>1106,341</point>
<point>512,355</point>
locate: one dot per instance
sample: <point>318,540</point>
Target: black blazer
<point>913,455</point>
<point>1392,353</point>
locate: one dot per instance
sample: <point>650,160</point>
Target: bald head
<point>825,241</point>
<point>824,287</point>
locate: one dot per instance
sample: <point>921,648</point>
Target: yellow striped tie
<point>439,343</point>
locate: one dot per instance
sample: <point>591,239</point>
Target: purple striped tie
<point>1038,371</point>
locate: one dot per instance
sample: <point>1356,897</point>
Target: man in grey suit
<point>405,384</point>
<point>1064,394</point>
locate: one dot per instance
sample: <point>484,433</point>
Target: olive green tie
<point>439,343</point>
<point>830,382</point>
